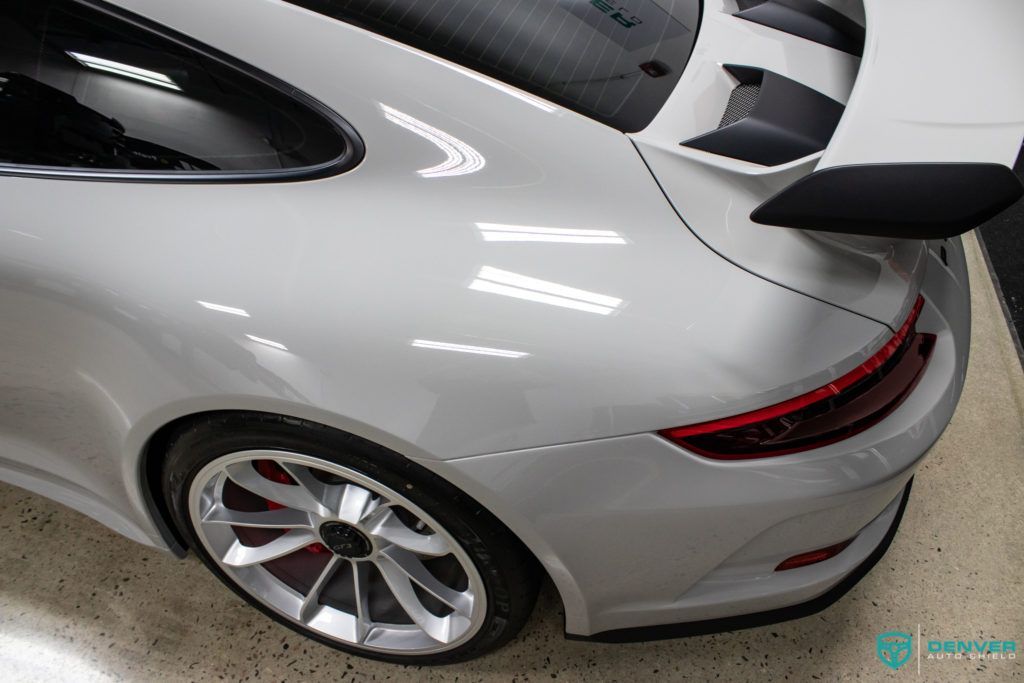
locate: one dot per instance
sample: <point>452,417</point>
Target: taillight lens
<point>847,406</point>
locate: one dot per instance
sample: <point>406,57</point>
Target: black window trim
<point>354,148</point>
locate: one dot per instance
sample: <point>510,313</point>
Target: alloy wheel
<point>337,552</point>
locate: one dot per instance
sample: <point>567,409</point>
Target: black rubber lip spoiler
<point>913,201</point>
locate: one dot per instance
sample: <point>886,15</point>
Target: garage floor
<point>79,603</point>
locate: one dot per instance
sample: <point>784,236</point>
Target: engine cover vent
<point>808,19</point>
<point>770,120</point>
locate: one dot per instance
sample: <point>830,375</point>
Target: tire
<point>369,561</point>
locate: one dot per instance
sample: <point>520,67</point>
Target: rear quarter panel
<point>103,283</point>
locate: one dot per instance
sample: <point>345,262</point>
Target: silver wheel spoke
<point>285,518</point>
<point>376,514</point>
<point>355,503</point>
<point>317,490</point>
<point>401,586</point>
<point>390,528</point>
<point>310,603</point>
<point>361,590</point>
<point>239,555</point>
<point>298,497</point>
<point>411,567</point>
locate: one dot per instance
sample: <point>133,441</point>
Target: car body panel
<point>946,96</point>
<point>875,277</point>
<point>338,300</point>
<point>501,291</point>
<point>940,98</point>
<point>715,195</point>
<point>710,532</point>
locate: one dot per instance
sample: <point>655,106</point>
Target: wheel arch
<point>157,445</point>
<point>146,444</point>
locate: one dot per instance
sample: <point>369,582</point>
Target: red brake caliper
<point>269,469</point>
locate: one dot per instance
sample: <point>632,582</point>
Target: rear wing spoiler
<point>925,146</point>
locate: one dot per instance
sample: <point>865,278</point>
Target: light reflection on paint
<point>501,232</point>
<point>506,283</point>
<point>462,159</point>
<point>466,348</point>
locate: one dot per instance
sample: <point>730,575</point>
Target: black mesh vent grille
<point>741,103</point>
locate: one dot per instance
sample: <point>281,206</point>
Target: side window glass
<point>86,91</point>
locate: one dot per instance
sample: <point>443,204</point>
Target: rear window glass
<point>615,61</point>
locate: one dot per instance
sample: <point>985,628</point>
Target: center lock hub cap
<point>345,540</point>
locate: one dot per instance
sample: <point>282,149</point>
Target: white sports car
<point>389,309</point>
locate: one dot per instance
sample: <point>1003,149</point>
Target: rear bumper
<point>888,522</point>
<point>636,532</point>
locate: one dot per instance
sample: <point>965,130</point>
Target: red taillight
<point>813,557</point>
<point>836,411</point>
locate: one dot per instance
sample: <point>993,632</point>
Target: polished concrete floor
<point>79,603</point>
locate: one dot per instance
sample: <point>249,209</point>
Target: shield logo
<point>893,648</point>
